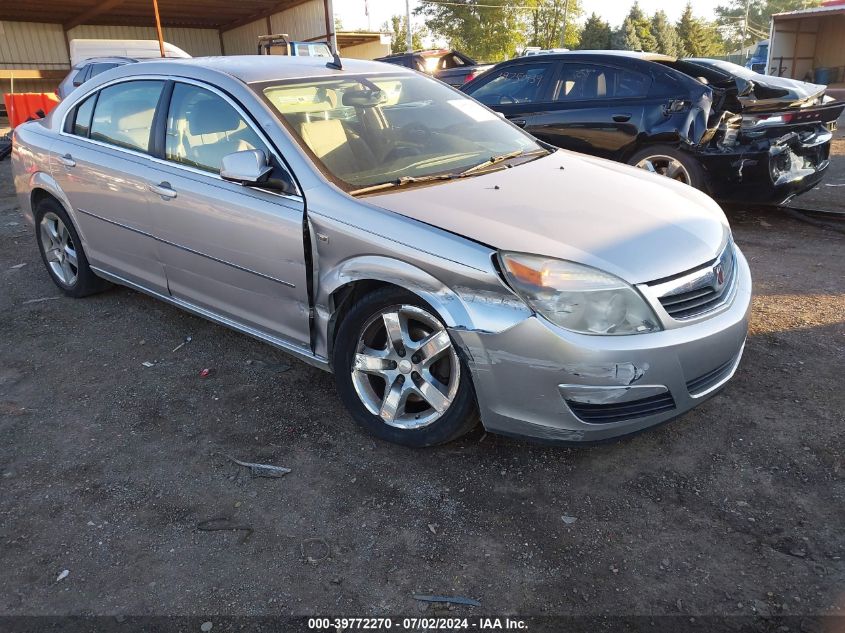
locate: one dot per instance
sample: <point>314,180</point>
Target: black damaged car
<point>738,135</point>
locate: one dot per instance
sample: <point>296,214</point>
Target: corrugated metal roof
<point>217,14</point>
<point>800,13</point>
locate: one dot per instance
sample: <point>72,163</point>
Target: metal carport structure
<point>35,34</point>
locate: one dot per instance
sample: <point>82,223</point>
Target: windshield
<point>366,130</point>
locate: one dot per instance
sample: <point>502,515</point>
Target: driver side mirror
<point>251,168</point>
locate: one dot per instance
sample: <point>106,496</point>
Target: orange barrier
<point>21,106</point>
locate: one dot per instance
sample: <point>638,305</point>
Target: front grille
<point>620,411</point>
<point>702,290</point>
<point>712,377</point>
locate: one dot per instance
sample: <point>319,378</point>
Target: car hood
<point>626,221</point>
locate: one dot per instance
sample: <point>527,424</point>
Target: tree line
<point>493,30</point>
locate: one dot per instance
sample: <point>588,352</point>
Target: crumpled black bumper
<point>769,172</point>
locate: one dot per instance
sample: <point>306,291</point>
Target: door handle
<point>519,122</point>
<point>67,160</point>
<point>163,189</point>
<point>621,118</point>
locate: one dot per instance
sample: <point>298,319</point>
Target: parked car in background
<point>379,224</point>
<point>88,69</point>
<point>759,59</point>
<point>723,129</point>
<point>453,67</point>
<point>89,58</point>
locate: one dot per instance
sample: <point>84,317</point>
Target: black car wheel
<point>399,373</point>
<point>670,162</point>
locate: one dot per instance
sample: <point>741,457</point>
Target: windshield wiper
<point>407,180</point>
<point>401,181</point>
<point>494,160</point>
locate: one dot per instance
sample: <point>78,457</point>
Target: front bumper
<point>539,381</point>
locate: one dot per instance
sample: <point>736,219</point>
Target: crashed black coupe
<point>736,134</point>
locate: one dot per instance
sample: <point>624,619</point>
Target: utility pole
<point>158,28</point>
<point>745,28</point>
<point>408,41</point>
<point>563,28</point>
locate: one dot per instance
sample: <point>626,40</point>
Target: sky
<point>352,15</point>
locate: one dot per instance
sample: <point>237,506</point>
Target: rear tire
<point>671,162</point>
<point>62,253</point>
<point>399,373</point>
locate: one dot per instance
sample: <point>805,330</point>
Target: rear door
<point>234,251</point>
<point>519,92</point>
<point>595,109</point>
<point>102,164</point>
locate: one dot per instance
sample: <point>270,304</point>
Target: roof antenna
<point>335,63</point>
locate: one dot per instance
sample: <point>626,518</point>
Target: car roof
<point>105,60</point>
<point>650,57</point>
<point>258,68</point>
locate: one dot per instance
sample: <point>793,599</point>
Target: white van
<point>92,57</point>
<point>83,50</point>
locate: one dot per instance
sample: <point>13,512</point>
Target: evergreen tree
<point>635,33</point>
<point>596,34</point>
<point>668,42</point>
<point>698,38</point>
<point>625,37</point>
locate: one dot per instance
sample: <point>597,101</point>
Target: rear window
<point>82,118</point>
<point>595,81</point>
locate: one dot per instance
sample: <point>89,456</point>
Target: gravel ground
<point>108,466</point>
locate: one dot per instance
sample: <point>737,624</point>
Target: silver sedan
<point>371,221</point>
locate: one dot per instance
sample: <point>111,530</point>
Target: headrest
<point>123,113</point>
<point>210,116</point>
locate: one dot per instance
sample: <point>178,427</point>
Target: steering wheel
<point>401,150</point>
<point>416,132</point>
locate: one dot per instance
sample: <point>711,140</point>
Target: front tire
<point>62,252</point>
<point>399,373</point>
<point>671,162</point>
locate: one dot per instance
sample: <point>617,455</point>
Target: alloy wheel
<point>59,249</point>
<point>405,369</point>
<point>666,166</point>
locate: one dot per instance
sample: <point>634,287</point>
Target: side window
<point>124,114</point>
<point>514,84</point>
<point>202,128</point>
<point>450,61</point>
<point>82,117</point>
<point>592,81</point>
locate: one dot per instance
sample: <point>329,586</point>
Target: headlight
<point>576,297</point>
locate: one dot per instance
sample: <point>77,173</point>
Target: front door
<point>518,92</point>
<point>235,251</point>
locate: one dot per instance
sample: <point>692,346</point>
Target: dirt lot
<point>108,466</point>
